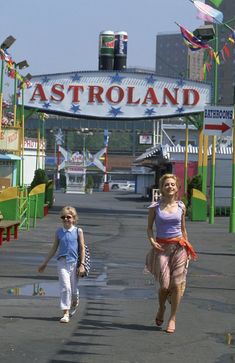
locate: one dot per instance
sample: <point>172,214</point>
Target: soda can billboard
<point>106,50</point>
<point>120,50</point>
<point>121,40</point>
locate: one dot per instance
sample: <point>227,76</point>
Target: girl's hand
<point>42,267</point>
<point>81,272</point>
<point>157,246</point>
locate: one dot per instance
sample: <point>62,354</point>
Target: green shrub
<point>194,183</point>
<point>62,181</point>
<point>184,200</point>
<point>40,177</point>
<point>89,182</point>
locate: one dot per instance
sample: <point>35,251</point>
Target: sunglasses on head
<point>66,217</point>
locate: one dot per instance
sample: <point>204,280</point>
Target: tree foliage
<point>89,182</point>
<point>40,177</point>
<point>194,183</point>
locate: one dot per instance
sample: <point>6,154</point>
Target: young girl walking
<point>69,241</point>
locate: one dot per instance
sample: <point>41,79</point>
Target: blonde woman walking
<point>171,251</point>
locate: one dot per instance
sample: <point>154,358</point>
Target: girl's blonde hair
<point>69,210</point>
<point>167,176</point>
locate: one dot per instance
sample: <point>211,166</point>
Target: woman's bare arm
<point>150,234</point>
<point>183,224</point>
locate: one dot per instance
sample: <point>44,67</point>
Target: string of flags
<point>23,82</point>
<point>211,15</point>
<point>12,72</point>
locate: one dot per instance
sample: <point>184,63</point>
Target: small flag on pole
<point>217,3</point>
<point>232,37</point>
<point>191,41</point>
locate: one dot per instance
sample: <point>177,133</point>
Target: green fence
<point>37,201</point>
<point>198,206</point>
<point>49,194</point>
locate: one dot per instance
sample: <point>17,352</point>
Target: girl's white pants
<point>68,281</point>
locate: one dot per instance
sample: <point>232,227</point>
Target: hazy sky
<point>62,36</point>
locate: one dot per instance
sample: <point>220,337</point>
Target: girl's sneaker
<point>74,307</point>
<point>65,319</point>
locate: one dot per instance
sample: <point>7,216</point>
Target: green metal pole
<point>186,160</point>
<point>18,163</point>
<point>212,190</point>
<point>212,184</point>
<point>232,213</point>
<point>22,139</point>
<point>15,96</point>
<point>1,94</point>
<point>200,152</point>
<point>38,145</point>
<point>35,210</point>
<point>43,142</point>
<point>204,165</point>
<point>28,211</point>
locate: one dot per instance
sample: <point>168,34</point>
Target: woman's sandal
<point>159,318</point>
<point>171,327</point>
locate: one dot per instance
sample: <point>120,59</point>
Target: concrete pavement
<point>115,322</point>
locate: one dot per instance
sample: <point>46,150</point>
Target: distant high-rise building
<point>174,59</point>
<point>195,65</point>
<point>171,55</point>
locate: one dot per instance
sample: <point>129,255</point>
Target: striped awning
<point>149,153</point>
<point>163,153</point>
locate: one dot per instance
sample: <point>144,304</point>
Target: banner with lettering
<point>9,139</point>
<point>116,95</point>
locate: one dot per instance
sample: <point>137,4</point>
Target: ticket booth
<point>75,178</point>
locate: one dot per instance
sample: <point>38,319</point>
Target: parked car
<point>128,187</point>
<point>120,185</point>
<point>116,184</point>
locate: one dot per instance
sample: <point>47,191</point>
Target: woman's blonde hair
<point>69,210</point>
<point>167,176</point>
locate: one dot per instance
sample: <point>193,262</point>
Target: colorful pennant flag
<point>204,71</point>
<point>191,41</point>
<point>222,53</point>
<point>226,50</point>
<point>217,3</point>
<point>208,66</point>
<point>4,55</point>
<point>207,13</point>
<point>232,37</point>
<point>217,58</point>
